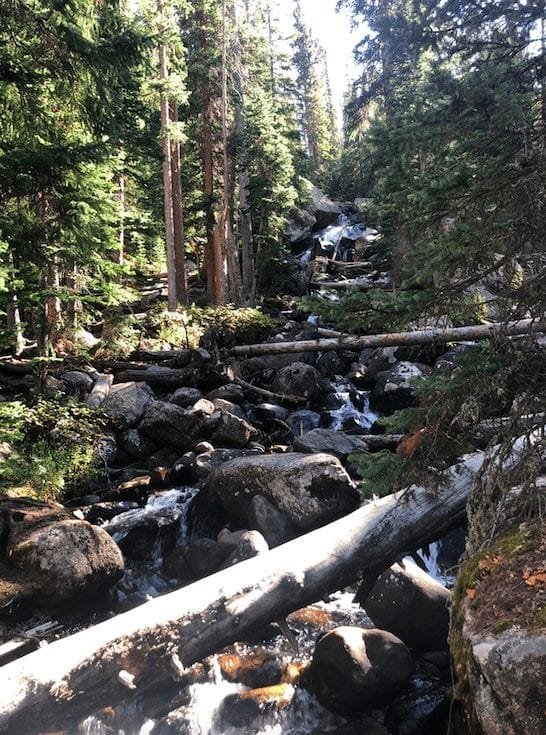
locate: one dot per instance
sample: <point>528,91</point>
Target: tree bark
<point>178,215</point>
<point>76,676</point>
<point>419,337</point>
<point>167,173</point>
<point>100,390</point>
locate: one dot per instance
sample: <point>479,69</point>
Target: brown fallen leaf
<point>471,593</point>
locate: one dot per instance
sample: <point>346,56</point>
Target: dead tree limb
<point>71,678</point>
<point>100,390</point>
<point>284,398</point>
<point>419,337</point>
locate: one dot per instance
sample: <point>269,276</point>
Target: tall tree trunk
<point>167,175</point>
<point>119,197</point>
<point>178,215</point>
<point>230,252</point>
<point>245,219</point>
<point>207,162</point>
<point>13,315</point>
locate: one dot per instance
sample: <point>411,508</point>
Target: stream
<point>212,705</point>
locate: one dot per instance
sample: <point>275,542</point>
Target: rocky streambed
<point>207,470</point>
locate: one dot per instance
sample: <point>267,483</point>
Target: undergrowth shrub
<point>49,449</point>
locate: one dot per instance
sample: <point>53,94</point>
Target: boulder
<point>77,383</point>
<point>409,603</point>
<point>421,708</point>
<point>393,388</point>
<point>269,412</point>
<point>168,424</point>
<point>330,442</point>
<point>300,422</point>
<point>354,669</point>
<point>230,392</point>
<point>232,431</point>
<point>135,444</point>
<point>269,521</point>
<point>323,209</point>
<point>299,379</point>
<point>126,403</point>
<point>299,226</point>
<point>208,461</point>
<point>51,558</point>
<point>185,397</point>
<point>222,405</point>
<point>241,545</point>
<point>310,490</point>
<point>242,709</point>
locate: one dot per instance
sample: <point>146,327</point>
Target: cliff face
<point>498,636</point>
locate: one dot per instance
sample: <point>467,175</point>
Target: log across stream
<point>101,666</point>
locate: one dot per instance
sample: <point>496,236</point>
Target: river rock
<point>126,403</point>
<point>354,669</point>
<point>241,545</point>
<point>324,210</point>
<point>52,557</point>
<point>299,379</point>
<point>421,708</point>
<point>268,519</point>
<point>259,668</point>
<point>300,422</point>
<point>230,392</point>
<point>393,388</point>
<point>208,461</point>
<point>135,444</point>
<point>330,442</point>
<point>185,397</point>
<point>299,226</point>
<point>232,431</point>
<point>242,709</point>
<point>310,490</point>
<point>78,383</point>
<point>409,603</point>
<point>168,424</point>
<point>220,404</point>
<point>269,412</point>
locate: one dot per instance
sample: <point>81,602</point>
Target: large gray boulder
<point>338,443</point>
<point>354,669</point>
<point>50,558</point>
<point>309,490</point>
<point>412,605</point>
<point>232,431</point>
<point>126,403</point>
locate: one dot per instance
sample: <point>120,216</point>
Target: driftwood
<point>100,666</point>
<point>419,337</point>
<point>101,389</point>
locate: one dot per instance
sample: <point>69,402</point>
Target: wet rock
<point>354,669</point>
<point>126,403</point>
<point>186,397</point>
<point>268,519</point>
<point>299,226</point>
<point>170,425</point>
<point>205,463</point>
<point>202,557</point>
<point>299,379</point>
<point>451,358</point>
<point>300,422</point>
<point>331,363</point>
<point>310,490</point>
<point>232,432</point>
<point>330,442</point>
<point>409,603</point>
<point>255,669</point>
<point>99,513</point>
<point>393,388</point>
<point>243,708</point>
<point>51,557</point>
<point>141,533</point>
<point>419,710</point>
<point>135,444</point>
<point>163,458</point>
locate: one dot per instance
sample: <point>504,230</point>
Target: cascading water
<point>354,408</point>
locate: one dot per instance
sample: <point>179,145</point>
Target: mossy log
<point>56,686</point>
<point>418,337</point>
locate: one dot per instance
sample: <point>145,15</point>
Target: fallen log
<point>56,686</point>
<point>356,283</point>
<point>157,375</point>
<point>419,337</point>
<point>282,397</point>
